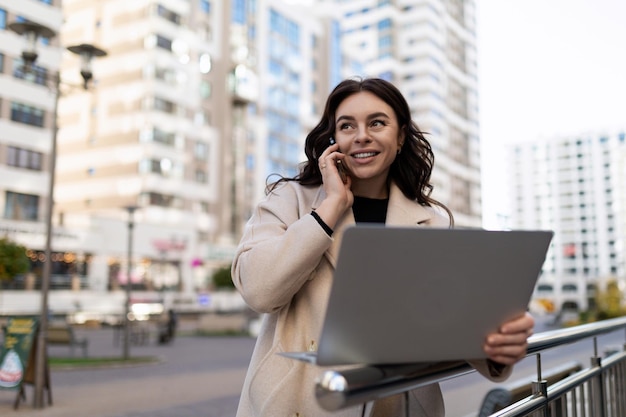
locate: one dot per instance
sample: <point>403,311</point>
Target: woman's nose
<point>362,136</point>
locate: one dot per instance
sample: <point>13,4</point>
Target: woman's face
<point>367,131</point>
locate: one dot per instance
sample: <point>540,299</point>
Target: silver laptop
<point>406,295</point>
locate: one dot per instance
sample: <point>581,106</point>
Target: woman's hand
<point>339,197</point>
<point>330,173</point>
<point>508,345</point>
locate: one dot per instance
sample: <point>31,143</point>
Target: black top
<point>369,210</point>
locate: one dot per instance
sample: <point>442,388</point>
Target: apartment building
<point>288,48</point>
<point>198,102</point>
<point>149,134</point>
<point>428,49</point>
<point>574,185</point>
<point>27,101</point>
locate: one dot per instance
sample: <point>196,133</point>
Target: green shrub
<point>222,279</point>
<point>13,259</point>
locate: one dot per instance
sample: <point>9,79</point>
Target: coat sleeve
<point>281,246</point>
<point>491,370</point>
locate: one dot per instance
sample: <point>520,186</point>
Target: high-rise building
<point>26,121</point>
<point>575,186</point>
<point>428,49</point>
<point>286,49</point>
<point>198,102</point>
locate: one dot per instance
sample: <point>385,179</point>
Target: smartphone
<point>340,168</point>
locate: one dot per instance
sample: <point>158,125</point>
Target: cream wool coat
<point>284,267</point>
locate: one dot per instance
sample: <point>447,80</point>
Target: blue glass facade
<point>335,54</point>
<point>283,94</point>
<point>239,11</point>
<point>205,6</point>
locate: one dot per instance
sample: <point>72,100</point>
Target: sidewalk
<point>195,377</point>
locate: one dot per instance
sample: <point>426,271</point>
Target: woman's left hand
<point>508,345</point>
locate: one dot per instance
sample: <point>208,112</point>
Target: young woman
<point>284,264</point>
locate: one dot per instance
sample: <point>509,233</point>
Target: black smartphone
<point>340,168</point>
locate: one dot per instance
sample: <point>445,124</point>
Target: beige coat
<point>284,267</point>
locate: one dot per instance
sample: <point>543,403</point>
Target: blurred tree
<point>222,279</point>
<point>13,259</point>
<point>609,302</point>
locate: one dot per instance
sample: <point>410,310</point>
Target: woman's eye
<point>378,123</point>
<point>344,126</point>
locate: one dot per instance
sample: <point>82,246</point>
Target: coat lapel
<point>404,212</point>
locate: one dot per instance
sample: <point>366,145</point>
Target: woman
<point>284,264</point>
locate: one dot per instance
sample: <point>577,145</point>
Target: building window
<point>24,158</point>
<point>163,42</point>
<point>1,63</point>
<point>3,19</point>
<point>205,89</point>
<point>203,207</point>
<point>164,105</point>
<point>21,206</point>
<point>205,6</point>
<point>168,14</point>
<point>166,74</point>
<point>239,11</point>
<point>27,114</point>
<point>384,24</point>
<point>201,176</point>
<point>36,74</point>
<point>162,200</point>
<point>201,151</point>
<point>387,76</point>
<point>166,138</point>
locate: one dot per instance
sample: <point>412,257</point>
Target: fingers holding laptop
<point>508,345</point>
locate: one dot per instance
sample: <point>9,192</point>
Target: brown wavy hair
<point>412,168</point>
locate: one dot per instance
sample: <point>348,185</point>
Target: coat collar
<point>401,211</point>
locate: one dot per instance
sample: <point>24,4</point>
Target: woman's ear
<point>401,139</point>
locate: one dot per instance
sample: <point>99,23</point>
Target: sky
<point>546,68</point>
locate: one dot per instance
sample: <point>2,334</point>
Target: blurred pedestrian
<point>167,330</point>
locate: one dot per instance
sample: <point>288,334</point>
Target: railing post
<point>597,400</point>
<point>540,388</point>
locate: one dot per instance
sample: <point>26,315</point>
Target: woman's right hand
<point>339,196</point>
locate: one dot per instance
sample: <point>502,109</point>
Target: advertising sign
<point>16,350</point>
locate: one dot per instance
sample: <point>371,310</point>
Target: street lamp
<point>32,32</point>
<point>129,269</point>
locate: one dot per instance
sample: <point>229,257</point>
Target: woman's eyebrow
<point>377,114</point>
<point>369,116</point>
<point>340,118</point>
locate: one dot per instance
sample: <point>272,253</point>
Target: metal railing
<point>503,396</point>
<point>596,391</point>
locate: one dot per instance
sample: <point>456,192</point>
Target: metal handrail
<point>340,389</point>
<point>560,388</point>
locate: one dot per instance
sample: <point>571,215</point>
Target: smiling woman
<point>369,141</point>
<point>388,163</point>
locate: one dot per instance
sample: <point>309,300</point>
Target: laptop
<point>408,294</point>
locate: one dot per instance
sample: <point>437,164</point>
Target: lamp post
<point>129,269</point>
<point>32,32</point>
